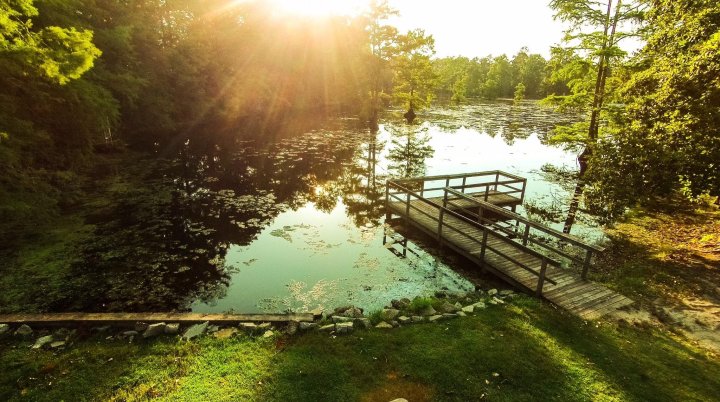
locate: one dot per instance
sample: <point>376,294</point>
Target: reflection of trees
<point>363,193</point>
<point>164,248</point>
<point>409,149</point>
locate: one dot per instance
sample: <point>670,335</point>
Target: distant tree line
<point>461,78</point>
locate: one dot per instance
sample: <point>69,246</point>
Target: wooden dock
<point>129,319</point>
<point>465,213</point>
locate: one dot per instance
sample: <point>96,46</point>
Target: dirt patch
<point>396,387</point>
<point>669,262</point>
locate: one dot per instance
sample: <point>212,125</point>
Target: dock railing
<point>396,191</point>
<point>491,182</point>
<point>519,228</point>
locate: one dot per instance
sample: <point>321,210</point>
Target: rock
<point>450,315</point>
<point>317,312</point>
<point>383,325</point>
<point>434,318</point>
<point>461,314</point>
<point>429,310</point>
<point>404,320</point>
<point>391,313</point>
<point>248,326</point>
<point>495,300</point>
<point>479,305</point>
<point>64,334</point>
<point>344,327</point>
<point>24,330</point>
<point>341,310</point>
<point>211,329</point>
<point>307,326</point>
<point>225,333</point>
<point>446,307</point>
<point>4,329</point>
<point>417,318</point>
<point>492,292</point>
<point>401,304</point>
<point>468,309</point>
<point>57,344</point>
<point>327,328</point>
<point>362,323</point>
<point>195,330</point>
<point>268,334</point>
<point>460,295</point>
<point>264,326</point>
<point>399,400</point>
<point>506,292</point>
<point>352,312</point>
<point>42,341</point>
<point>172,328</point>
<point>458,305</point>
<point>292,327</point>
<point>338,318</point>
<point>129,334</point>
<point>140,326</point>
<point>154,330</point>
<point>103,329</point>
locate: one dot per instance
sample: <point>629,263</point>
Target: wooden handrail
<point>521,219</point>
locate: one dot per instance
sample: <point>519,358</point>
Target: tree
<point>499,79</point>
<point>58,54</point>
<point>594,31</point>
<point>414,76</point>
<point>381,43</point>
<point>669,141</point>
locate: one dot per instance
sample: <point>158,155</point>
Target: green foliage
<point>414,76</point>
<point>669,139</point>
<point>460,78</point>
<point>60,54</point>
<point>419,304</point>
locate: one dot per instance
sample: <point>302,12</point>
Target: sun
<point>319,8</point>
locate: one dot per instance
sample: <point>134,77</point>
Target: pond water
<point>309,205</point>
<point>295,220</point>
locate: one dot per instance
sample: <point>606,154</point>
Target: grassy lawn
<point>524,351</point>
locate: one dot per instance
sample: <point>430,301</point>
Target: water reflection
<point>409,150</point>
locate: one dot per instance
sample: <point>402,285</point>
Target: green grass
<point>525,351</point>
<point>419,304</point>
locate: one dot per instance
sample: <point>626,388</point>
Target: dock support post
<point>440,220</point>
<point>388,214</point>
<point>407,212</point>
<point>526,234</point>
<point>586,265</point>
<point>541,279</point>
<point>482,248</point>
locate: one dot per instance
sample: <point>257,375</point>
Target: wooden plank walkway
<point>56,319</point>
<point>508,259</point>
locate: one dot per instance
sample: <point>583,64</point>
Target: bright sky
<point>481,27</point>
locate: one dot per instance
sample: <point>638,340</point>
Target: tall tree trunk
<point>598,101</point>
